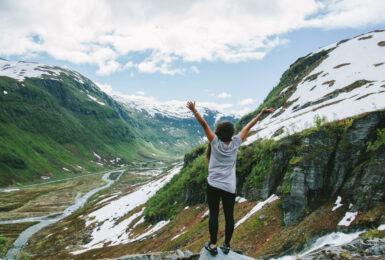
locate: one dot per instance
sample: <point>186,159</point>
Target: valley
<point>85,175</point>
<point>46,204</point>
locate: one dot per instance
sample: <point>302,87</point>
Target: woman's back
<point>222,164</point>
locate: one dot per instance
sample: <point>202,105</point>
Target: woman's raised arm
<point>247,128</point>
<point>208,132</point>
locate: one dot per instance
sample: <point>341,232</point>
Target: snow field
<point>106,217</point>
<point>366,98</point>
<point>21,70</point>
<point>256,208</point>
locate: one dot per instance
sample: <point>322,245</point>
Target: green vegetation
<point>51,123</point>
<point>47,124</point>
<point>373,233</point>
<point>9,233</point>
<point>297,71</point>
<point>169,200</point>
<point>285,187</point>
<point>264,152</point>
<point>319,120</point>
<point>266,164</point>
<point>2,244</point>
<point>380,141</point>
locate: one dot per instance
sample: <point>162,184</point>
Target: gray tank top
<point>222,164</point>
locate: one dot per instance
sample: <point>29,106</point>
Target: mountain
<point>315,165</point>
<point>169,125</point>
<point>335,82</point>
<point>56,123</point>
<point>309,176</point>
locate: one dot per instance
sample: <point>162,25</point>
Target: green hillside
<point>52,123</point>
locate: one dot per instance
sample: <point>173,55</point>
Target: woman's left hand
<point>267,110</point>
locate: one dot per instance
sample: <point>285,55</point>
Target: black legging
<point>228,199</point>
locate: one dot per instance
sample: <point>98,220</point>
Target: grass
<point>42,199</point>
<point>50,124</point>
<point>57,240</point>
<point>9,233</point>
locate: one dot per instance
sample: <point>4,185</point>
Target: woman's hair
<point>224,131</point>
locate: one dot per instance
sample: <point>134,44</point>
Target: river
<point>52,217</point>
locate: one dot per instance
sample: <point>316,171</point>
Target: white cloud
<point>167,34</point>
<point>242,111</point>
<point>105,88</point>
<point>225,108</point>
<point>195,70</point>
<point>223,95</point>
<point>246,101</point>
<point>140,92</point>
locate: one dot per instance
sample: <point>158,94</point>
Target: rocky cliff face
<point>313,168</point>
<point>332,165</point>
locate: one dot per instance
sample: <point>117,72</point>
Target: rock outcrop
<point>357,249</point>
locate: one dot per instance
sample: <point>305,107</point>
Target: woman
<point>221,182</point>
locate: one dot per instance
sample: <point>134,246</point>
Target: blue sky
<point>230,53</point>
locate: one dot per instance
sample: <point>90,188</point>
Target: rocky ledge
<point>357,249</point>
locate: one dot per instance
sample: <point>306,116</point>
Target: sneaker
<point>225,248</point>
<point>212,251</point>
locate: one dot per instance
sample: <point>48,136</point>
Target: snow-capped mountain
<point>348,80</point>
<point>168,126</point>
<point>20,70</point>
<point>172,109</point>
<point>171,125</point>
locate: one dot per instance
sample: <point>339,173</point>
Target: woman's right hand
<point>191,105</point>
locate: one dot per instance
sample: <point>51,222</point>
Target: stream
<point>52,217</point>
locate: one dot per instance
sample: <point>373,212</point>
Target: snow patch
<point>105,218</point>
<point>178,235</point>
<point>337,203</point>
<point>21,70</point>
<point>313,98</point>
<point>171,109</point>
<point>155,228</point>
<point>348,219</point>
<point>95,99</point>
<point>150,172</point>
<point>9,190</point>
<point>107,199</point>
<point>256,208</point>
<point>332,239</point>
<point>381,227</point>
<point>240,199</point>
<point>206,213</point>
<point>140,221</point>
<point>97,155</point>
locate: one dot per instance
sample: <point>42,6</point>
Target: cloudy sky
<point>227,52</point>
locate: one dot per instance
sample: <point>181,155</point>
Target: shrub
<point>380,141</point>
